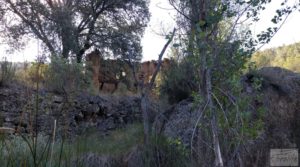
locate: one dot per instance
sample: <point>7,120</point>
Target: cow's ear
<point>96,51</point>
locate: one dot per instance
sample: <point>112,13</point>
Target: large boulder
<point>280,94</point>
<point>178,122</point>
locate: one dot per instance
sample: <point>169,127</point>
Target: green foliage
<point>198,100</point>
<point>177,144</point>
<point>178,82</point>
<point>236,111</point>
<point>36,72</point>
<point>7,72</point>
<point>218,53</point>
<point>168,152</point>
<point>240,120</point>
<point>286,56</point>
<point>31,73</point>
<point>63,76</point>
<point>220,49</point>
<point>257,83</point>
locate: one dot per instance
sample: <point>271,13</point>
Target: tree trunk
<point>146,90</point>
<point>206,91</point>
<point>214,121</point>
<point>146,116</point>
<point>65,53</point>
<point>80,53</point>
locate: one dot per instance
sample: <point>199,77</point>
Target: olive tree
<point>71,27</point>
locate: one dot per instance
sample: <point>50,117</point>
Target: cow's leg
<point>116,87</point>
<point>102,84</point>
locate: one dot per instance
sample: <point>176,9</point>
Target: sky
<point>289,32</point>
<point>153,43</point>
<point>163,21</point>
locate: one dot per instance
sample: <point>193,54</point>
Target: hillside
<point>285,56</point>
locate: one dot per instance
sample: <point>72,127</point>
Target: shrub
<point>64,76</point>
<point>30,73</point>
<point>178,82</point>
<point>169,152</point>
<point>37,72</point>
<point>7,72</point>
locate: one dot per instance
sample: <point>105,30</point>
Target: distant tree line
<point>285,56</point>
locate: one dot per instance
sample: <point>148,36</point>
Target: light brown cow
<point>148,68</point>
<point>93,60</point>
<point>107,74</point>
<point>111,73</point>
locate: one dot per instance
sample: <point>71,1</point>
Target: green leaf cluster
<point>63,76</point>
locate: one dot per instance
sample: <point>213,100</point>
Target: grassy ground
<point>19,151</point>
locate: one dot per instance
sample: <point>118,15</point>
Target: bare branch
<point>160,59</point>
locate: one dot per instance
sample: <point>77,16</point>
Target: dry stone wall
<point>73,115</point>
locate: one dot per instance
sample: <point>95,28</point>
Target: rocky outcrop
<point>178,122</point>
<point>74,115</point>
<point>281,92</point>
<point>283,81</point>
<point>280,97</point>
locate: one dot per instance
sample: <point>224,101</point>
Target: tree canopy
<point>70,27</point>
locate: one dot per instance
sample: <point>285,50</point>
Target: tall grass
<point>7,72</point>
<point>15,152</point>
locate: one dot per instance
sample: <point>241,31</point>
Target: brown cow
<point>107,74</point>
<point>148,68</point>
<point>93,60</point>
<point>111,74</point>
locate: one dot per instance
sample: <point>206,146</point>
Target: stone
<point>5,130</point>
<point>79,117</point>
<point>135,158</point>
<point>105,113</point>
<point>7,119</point>
<point>94,160</point>
<point>57,99</point>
